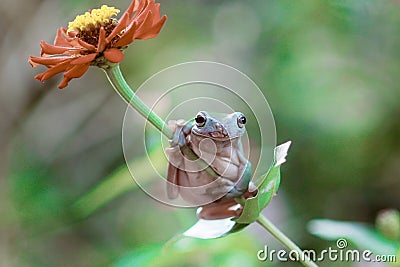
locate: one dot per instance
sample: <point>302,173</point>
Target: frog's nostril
<point>221,129</point>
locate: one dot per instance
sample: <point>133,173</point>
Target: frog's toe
<point>180,123</point>
<point>220,209</point>
<point>234,192</point>
<point>178,138</point>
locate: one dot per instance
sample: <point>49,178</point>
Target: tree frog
<point>216,139</point>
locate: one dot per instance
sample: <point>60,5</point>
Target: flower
<point>95,36</point>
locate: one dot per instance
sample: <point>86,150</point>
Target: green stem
<point>115,77</point>
<point>117,80</point>
<point>281,237</point>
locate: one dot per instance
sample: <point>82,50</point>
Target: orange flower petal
<point>74,42</point>
<point>141,14</point>
<point>121,25</point>
<point>146,24</point>
<point>127,37</point>
<point>47,61</point>
<point>102,40</point>
<point>86,45</point>
<point>113,55</point>
<point>61,38</point>
<point>39,77</point>
<point>153,31</point>
<point>156,10</point>
<point>53,71</point>
<point>71,34</point>
<point>153,7</point>
<point>64,82</point>
<point>132,7</point>
<point>84,59</point>
<point>52,49</point>
<point>76,71</point>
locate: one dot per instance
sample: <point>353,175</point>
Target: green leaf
<point>267,189</point>
<point>250,211</point>
<point>362,235</point>
<point>205,229</point>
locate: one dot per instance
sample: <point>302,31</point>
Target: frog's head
<point>220,127</point>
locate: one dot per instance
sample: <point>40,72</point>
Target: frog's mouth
<point>220,135</point>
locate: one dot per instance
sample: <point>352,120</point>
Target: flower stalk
<point>117,80</point>
<point>284,240</point>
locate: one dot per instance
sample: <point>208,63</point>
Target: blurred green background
<point>329,69</point>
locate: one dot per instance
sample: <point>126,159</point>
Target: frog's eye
<point>200,120</point>
<point>241,121</point>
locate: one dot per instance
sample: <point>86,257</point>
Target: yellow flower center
<point>93,18</point>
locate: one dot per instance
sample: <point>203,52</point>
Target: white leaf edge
<point>281,152</point>
<point>207,229</point>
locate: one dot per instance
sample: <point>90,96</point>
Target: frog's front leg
<point>181,130</point>
<point>176,161</point>
<point>220,186</point>
<point>243,183</point>
<point>233,188</point>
